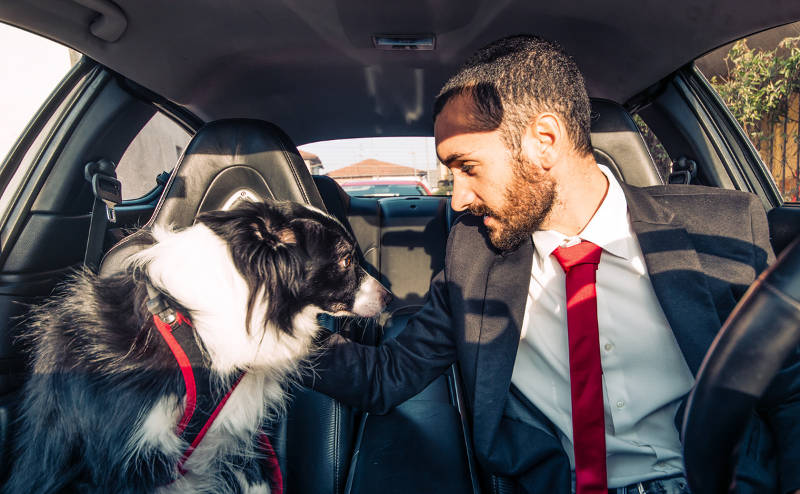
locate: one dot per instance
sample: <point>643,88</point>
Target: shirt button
<point>608,347</point>
<point>620,403</point>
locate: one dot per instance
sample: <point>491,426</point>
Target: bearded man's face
<point>523,206</point>
<point>513,194</point>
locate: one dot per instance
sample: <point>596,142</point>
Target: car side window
<point>25,86</point>
<point>660,156</point>
<point>155,149</point>
<point>758,78</point>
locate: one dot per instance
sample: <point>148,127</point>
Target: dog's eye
<point>346,262</point>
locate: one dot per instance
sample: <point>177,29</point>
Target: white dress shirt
<point>644,372</point>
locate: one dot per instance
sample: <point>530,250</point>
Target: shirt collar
<point>609,228</point>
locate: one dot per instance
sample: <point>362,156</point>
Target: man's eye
<point>346,262</point>
<point>467,169</point>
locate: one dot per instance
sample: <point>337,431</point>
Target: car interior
<point>250,80</point>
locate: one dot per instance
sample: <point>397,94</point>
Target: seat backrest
<point>618,144</point>
<point>226,160</point>
<point>234,159</point>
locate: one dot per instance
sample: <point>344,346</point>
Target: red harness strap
<point>180,328</point>
<point>272,465</point>
<point>183,363</point>
<point>206,426</point>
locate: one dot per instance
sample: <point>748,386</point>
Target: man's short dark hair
<point>516,78</point>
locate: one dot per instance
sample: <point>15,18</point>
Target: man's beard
<point>528,200</point>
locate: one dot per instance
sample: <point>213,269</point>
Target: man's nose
<point>462,196</point>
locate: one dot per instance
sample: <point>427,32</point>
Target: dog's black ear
<point>265,231</point>
<point>262,222</point>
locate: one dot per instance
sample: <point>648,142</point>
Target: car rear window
<point>380,166</point>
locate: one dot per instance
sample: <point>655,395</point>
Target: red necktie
<point>585,372</point>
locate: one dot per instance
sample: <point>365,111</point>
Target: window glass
<point>21,174</point>
<point>380,166</point>
<point>32,67</point>
<point>758,77</point>
<point>155,149</point>
<point>657,151</point>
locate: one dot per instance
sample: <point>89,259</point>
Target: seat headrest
<point>226,161</point>
<point>618,144</point>
<point>335,197</point>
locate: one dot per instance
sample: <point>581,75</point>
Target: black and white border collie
<point>101,408</point>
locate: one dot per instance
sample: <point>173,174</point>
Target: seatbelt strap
<point>107,192</point>
<point>204,401</point>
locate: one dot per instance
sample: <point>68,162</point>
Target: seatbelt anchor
<point>105,186</point>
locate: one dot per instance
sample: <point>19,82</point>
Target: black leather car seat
<point>250,159</point>
<point>226,159</point>
<point>619,145</point>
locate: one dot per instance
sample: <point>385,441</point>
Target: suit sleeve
<point>780,404</point>
<point>376,379</point>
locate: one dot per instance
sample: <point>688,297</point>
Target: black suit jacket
<point>702,246</point>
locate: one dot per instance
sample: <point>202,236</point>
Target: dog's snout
<point>371,297</point>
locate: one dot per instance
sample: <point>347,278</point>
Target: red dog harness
<point>201,397</point>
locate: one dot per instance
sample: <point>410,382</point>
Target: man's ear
<point>543,138</point>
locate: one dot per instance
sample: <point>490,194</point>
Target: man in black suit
<point>513,126</point>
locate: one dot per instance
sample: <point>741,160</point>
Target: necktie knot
<point>582,253</point>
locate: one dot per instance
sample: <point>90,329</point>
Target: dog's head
<point>269,268</point>
<point>297,257</point>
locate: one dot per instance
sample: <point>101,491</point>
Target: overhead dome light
<point>424,42</point>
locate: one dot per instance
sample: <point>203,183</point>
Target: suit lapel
<point>676,274</point>
<point>501,322</point>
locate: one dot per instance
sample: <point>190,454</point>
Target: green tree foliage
<point>758,90</point>
<point>759,83</point>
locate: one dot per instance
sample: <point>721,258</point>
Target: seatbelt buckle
<point>682,171</point>
<point>109,190</point>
